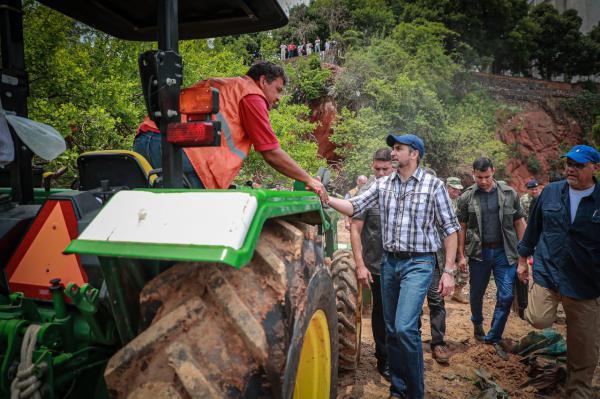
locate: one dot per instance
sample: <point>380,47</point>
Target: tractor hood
<point>136,19</point>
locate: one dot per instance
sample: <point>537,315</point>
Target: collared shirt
<point>410,211</point>
<point>490,221</point>
<point>469,213</point>
<point>566,256</point>
<point>370,236</point>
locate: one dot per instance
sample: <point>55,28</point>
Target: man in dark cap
<point>563,235</point>
<point>412,204</point>
<point>528,199</point>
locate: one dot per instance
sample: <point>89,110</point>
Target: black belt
<point>492,245</point>
<point>407,254</point>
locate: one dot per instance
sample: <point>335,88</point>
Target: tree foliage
<point>405,84</point>
<point>309,81</point>
<point>504,36</point>
<point>294,132</point>
<point>86,85</point>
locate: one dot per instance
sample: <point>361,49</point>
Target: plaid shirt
<point>410,211</point>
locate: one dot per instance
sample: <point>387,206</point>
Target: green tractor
<point>130,288</point>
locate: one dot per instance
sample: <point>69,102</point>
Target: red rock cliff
<point>540,131</point>
<point>323,112</point>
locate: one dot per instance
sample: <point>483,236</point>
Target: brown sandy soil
<point>454,381</point>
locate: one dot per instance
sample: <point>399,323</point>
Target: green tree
<point>302,25</point>
<point>333,13</point>
<point>557,39</point>
<point>309,81</point>
<point>517,55</point>
<point>484,25</point>
<point>372,16</point>
<point>406,83</point>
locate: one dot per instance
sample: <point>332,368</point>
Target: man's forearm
<point>286,165</point>
<point>355,240</point>
<point>520,227</point>
<point>341,205</point>
<point>450,244</point>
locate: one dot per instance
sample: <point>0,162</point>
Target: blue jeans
<point>494,259</point>
<point>404,285</point>
<point>149,145</point>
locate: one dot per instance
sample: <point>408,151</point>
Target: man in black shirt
<point>492,222</point>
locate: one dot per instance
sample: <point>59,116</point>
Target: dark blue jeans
<point>494,260</point>
<point>404,285</point>
<point>149,145</point>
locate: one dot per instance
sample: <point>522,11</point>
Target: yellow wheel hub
<point>313,378</point>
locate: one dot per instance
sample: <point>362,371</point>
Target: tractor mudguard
<point>192,225</point>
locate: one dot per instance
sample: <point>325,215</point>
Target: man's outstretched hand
<point>316,186</point>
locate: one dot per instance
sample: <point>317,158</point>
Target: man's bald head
<point>361,181</point>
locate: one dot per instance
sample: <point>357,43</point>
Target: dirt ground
<point>455,381</point>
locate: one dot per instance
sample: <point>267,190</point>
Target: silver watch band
<point>452,272</point>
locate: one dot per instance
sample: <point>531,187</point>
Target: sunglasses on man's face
<point>576,165</point>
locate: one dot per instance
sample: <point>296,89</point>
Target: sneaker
<point>441,354</point>
<point>478,332</point>
<point>460,297</point>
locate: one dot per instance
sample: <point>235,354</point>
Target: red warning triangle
<point>40,257</point>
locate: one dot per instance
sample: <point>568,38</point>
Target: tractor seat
<point>121,168</point>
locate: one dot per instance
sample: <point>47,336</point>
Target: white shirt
<point>575,197</point>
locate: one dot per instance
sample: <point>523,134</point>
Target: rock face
<point>540,131</point>
<point>323,113</point>
<point>537,134</point>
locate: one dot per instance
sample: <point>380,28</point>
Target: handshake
<point>315,185</point>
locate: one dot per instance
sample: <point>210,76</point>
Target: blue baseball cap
<point>408,139</point>
<point>583,154</point>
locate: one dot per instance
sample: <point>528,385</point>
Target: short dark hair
<point>383,154</point>
<point>482,164</point>
<point>270,71</point>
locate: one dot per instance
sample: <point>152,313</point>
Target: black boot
<point>478,332</point>
<point>384,370</point>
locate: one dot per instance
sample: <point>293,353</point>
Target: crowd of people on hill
<point>292,50</point>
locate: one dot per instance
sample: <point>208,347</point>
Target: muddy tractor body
<point>130,288</point>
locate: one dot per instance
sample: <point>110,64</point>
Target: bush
<point>308,80</point>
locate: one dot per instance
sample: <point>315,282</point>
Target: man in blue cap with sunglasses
<point>563,235</point>
<point>412,205</point>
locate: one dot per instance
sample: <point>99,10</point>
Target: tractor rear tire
<point>348,294</point>
<point>266,330</point>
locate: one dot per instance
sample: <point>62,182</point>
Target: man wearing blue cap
<point>412,204</point>
<point>563,235</point>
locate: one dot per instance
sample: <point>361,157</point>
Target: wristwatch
<point>452,272</point>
